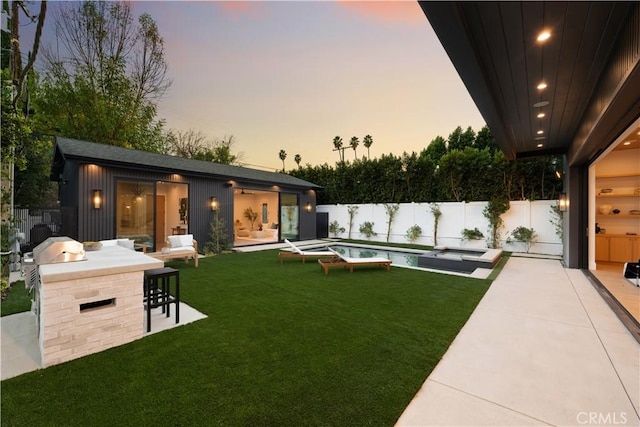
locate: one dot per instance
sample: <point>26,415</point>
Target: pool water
<point>406,259</point>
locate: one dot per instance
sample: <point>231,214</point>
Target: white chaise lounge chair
<point>340,260</point>
<point>296,252</point>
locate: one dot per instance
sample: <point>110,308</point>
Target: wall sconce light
<point>563,202</point>
<point>97,199</point>
<point>308,207</point>
<point>213,203</point>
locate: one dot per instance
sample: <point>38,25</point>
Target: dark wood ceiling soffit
<point>494,49</point>
<point>615,104</point>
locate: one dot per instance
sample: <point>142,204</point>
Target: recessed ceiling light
<point>626,143</point>
<point>540,115</point>
<point>540,132</point>
<point>543,36</point>
<point>540,145</point>
<point>541,104</point>
<point>541,85</point>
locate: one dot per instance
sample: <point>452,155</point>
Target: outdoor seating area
<point>340,260</point>
<point>178,247</point>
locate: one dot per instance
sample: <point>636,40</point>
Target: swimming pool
<point>460,261</point>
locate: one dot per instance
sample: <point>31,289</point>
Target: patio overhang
<point>590,65</point>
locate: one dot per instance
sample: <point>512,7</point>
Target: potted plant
<point>251,216</point>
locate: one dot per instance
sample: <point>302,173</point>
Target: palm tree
<point>354,144</point>
<point>367,141</point>
<point>297,158</point>
<point>283,155</point>
<point>337,143</point>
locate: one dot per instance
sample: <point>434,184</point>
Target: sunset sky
<point>292,75</point>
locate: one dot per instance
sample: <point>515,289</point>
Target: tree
<point>297,158</point>
<point>367,141</point>
<point>391,211</point>
<point>459,140</point>
<point>436,149</point>
<point>354,144</point>
<point>185,143</point>
<point>221,152</point>
<point>493,213</point>
<point>352,210</point>
<point>19,73</point>
<point>484,139</point>
<point>26,157</point>
<point>283,155</point>
<point>337,144</point>
<point>105,84</point>
<point>192,144</point>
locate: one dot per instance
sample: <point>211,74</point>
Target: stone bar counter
<point>85,307</point>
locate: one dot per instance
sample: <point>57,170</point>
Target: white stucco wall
<point>455,217</point>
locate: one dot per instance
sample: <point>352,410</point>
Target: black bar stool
<point>157,292</point>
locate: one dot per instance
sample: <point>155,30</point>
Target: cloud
<point>388,11</point>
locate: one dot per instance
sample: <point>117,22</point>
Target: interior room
<point>255,217</point>
<point>614,196</point>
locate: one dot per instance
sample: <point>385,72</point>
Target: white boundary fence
<point>26,219</point>
<point>455,217</point>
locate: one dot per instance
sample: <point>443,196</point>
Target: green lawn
<point>18,300</point>
<point>283,345</point>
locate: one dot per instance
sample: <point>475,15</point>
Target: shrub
<point>471,234</point>
<point>335,229</point>
<point>218,236</point>
<point>524,235</point>
<point>413,233</point>
<point>366,228</point>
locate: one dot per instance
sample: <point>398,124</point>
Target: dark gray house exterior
<point>107,192</point>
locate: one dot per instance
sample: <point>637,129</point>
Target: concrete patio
<point>541,348</point>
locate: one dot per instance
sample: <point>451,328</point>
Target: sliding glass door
<point>289,216</point>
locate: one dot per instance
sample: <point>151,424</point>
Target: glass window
<point>134,211</point>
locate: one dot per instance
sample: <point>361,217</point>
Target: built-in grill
<point>53,250</point>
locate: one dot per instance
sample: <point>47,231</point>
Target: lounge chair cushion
<point>181,241</point>
<point>359,260</point>
<point>125,243</point>
<point>177,249</point>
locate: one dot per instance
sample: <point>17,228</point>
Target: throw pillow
<point>174,241</point>
<point>186,240</point>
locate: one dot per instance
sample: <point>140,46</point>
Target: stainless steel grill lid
<point>58,249</point>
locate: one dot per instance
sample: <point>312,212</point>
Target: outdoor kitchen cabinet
<point>91,304</point>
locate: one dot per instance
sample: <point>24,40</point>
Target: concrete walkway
<point>542,348</point>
